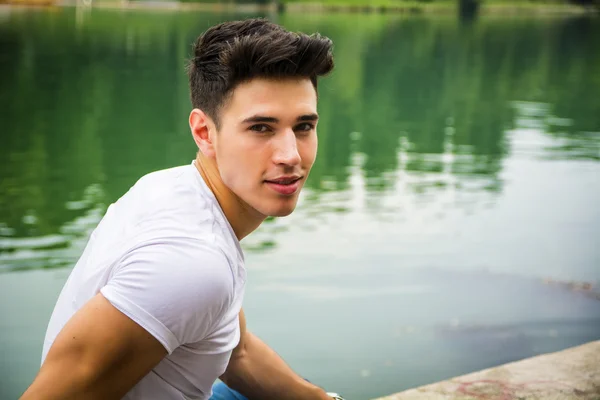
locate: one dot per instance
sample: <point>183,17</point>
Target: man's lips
<point>285,185</point>
<point>284,180</point>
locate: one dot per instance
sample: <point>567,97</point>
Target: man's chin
<point>282,213</point>
<point>281,210</point>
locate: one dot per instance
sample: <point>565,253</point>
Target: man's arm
<point>257,372</point>
<point>99,354</point>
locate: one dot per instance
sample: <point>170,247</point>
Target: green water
<point>458,167</point>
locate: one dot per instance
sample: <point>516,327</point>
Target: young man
<point>152,310</point>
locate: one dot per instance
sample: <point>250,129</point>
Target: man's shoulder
<point>179,252</point>
<point>174,192</point>
<point>175,202</point>
<point>164,183</point>
<point>165,174</point>
<point>169,207</point>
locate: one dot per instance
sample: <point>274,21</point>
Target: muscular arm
<point>257,372</point>
<point>99,354</point>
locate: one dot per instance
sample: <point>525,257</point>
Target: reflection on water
<point>426,104</point>
<point>442,147</point>
<point>60,249</point>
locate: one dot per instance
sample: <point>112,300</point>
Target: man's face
<point>267,142</point>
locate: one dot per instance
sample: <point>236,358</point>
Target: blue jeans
<point>222,392</point>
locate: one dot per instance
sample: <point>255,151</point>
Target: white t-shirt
<point>165,255</point>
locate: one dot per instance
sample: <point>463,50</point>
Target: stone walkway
<point>570,374</point>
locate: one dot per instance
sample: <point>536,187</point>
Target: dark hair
<point>234,52</point>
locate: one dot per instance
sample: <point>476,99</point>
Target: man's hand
<point>257,372</point>
<point>99,354</point>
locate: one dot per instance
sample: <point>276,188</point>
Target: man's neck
<point>242,218</point>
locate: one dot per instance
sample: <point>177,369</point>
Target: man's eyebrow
<point>260,118</point>
<point>273,120</point>
<point>308,117</point>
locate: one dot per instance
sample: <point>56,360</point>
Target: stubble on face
<point>267,137</point>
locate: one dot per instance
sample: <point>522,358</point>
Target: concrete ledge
<point>570,374</point>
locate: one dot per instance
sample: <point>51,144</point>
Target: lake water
<point>458,172</point>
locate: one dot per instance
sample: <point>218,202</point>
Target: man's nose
<point>286,149</point>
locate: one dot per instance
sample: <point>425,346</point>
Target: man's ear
<point>203,130</point>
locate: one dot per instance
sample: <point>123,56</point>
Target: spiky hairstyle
<point>234,52</point>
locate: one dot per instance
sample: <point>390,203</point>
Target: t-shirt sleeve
<point>176,289</point>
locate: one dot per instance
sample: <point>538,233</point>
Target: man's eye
<point>259,128</point>
<point>304,127</point>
